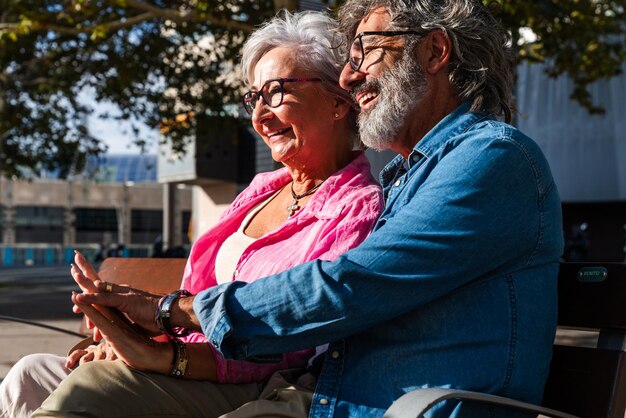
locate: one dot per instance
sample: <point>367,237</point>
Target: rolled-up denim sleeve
<point>209,308</point>
<point>460,228</point>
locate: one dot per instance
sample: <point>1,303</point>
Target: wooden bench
<point>587,382</point>
<point>155,275</point>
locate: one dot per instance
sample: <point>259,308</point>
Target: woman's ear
<point>438,47</point>
<point>341,108</point>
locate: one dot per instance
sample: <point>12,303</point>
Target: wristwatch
<point>163,314</point>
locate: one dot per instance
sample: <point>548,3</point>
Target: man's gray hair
<point>481,66</point>
<point>314,39</point>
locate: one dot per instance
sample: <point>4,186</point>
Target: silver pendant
<point>293,208</point>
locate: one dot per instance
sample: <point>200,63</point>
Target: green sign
<point>592,274</point>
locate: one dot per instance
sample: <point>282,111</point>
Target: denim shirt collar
<point>460,120</point>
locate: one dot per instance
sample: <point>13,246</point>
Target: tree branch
<point>188,16</point>
<point>149,12</point>
<point>65,30</point>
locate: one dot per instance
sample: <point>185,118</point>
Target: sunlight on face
<point>298,129</point>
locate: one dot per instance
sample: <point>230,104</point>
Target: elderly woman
<point>321,204</point>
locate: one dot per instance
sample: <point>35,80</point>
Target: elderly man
<point>456,287</point>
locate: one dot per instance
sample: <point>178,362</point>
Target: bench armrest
<point>415,404</point>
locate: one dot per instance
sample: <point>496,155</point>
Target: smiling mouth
<point>276,133</point>
<point>367,98</point>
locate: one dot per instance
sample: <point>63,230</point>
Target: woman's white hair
<point>313,38</point>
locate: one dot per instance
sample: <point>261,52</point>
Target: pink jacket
<point>339,216</point>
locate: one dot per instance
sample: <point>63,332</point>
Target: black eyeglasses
<point>272,92</point>
<point>357,52</point>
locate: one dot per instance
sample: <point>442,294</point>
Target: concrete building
<point>119,204</point>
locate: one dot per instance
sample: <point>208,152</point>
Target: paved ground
<point>38,294</point>
<point>18,340</point>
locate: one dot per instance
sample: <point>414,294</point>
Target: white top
<point>233,247</point>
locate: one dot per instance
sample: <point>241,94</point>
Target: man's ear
<point>438,46</point>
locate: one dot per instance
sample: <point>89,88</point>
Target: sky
<point>116,134</point>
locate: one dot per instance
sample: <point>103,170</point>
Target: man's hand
<point>138,306</point>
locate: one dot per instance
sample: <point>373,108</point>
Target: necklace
<point>294,207</point>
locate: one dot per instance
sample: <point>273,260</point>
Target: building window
<point>146,226</point>
<point>96,219</point>
<point>143,220</point>
<point>39,224</point>
<point>96,225</point>
<point>39,216</point>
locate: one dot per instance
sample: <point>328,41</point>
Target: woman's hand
<point>84,274</point>
<point>102,351</point>
<point>87,278</point>
<point>129,345</point>
<point>89,281</point>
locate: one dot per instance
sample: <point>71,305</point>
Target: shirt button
<point>335,354</point>
<point>397,183</point>
<point>214,342</point>
<point>323,401</point>
<point>235,273</point>
<point>415,158</point>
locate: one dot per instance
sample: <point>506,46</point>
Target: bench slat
<point>156,275</point>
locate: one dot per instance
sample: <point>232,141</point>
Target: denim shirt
<point>456,286</point>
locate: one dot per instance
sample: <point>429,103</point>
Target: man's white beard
<point>399,90</point>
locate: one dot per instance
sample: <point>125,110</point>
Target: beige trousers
<point>113,390</point>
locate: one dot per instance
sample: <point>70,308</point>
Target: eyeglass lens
<point>357,55</point>
<point>357,52</point>
<point>272,93</point>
